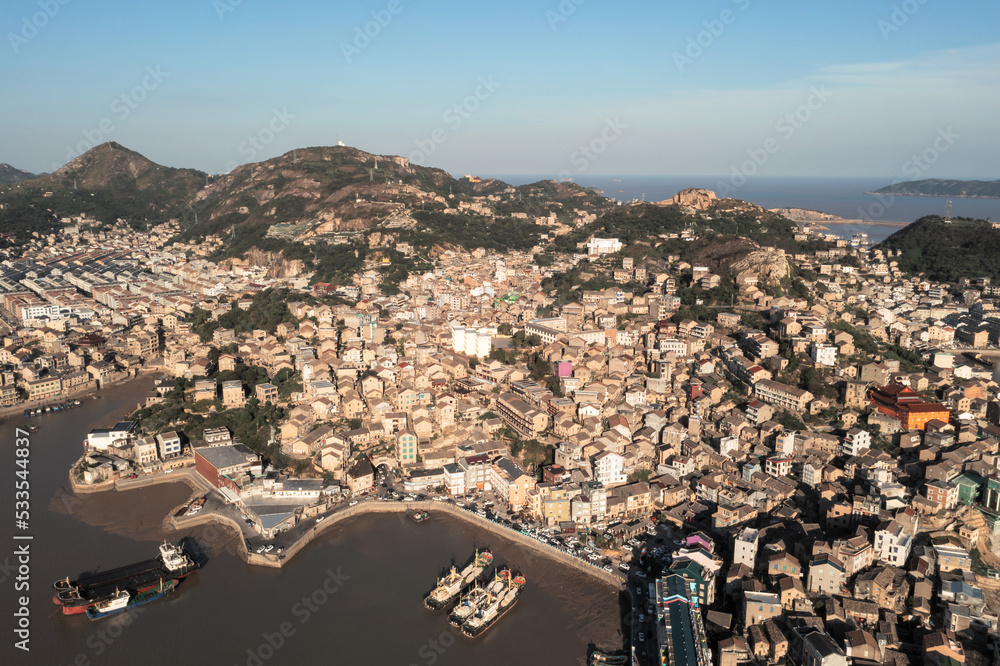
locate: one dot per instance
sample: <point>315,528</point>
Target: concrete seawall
<point>437,507</point>
<point>180,475</point>
<point>187,522</point>
<point>272,560</point>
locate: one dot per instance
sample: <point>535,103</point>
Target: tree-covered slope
<point>964,248</point>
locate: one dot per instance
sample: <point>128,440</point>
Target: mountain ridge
<point>10,174</point>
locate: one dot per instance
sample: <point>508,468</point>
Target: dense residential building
<point>782,395</point>
<point>618,416</point>
<point>521,417</point>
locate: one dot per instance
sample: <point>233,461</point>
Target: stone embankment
<point>199,486</point>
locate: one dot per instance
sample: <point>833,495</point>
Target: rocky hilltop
<point>694,198</point>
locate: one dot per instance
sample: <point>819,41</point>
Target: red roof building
<point>903,403</point>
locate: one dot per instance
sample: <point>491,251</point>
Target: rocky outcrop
<point>770,265</point>
<point>278,266</point>
<point>695,198</point>
<point>805,215</point>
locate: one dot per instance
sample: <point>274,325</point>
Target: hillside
<point>964,248</point>
<point>332,210</point>
<point>936,187</point>
<point>316,192</point>
<point>724,218</point>
<point>105,183</point>
<point>9,174</point>
<point>326,191</point>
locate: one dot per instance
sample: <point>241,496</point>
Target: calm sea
<point>844,197</point>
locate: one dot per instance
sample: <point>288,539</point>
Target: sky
<point>899,90</point>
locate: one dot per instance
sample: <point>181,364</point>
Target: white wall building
<point>745,547</point>
<point>727,445</point>
<point>825,355</point>
<point>470,341</point>
<point>892,543</point>
<point>609,469</point>
<point>856,441</point>
<point>598,246</point>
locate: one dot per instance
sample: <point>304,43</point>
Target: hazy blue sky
<point>845,88</point>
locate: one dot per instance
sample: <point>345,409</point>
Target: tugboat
<point>122,600</point>
<point>454,582</point>
<point>172,564</point>
<point>503,593</point>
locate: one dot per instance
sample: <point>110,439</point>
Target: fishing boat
<point>451,585</point>
<point>502,594</point>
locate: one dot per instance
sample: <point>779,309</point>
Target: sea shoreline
<point>173,523</point>
<point>90,390</point>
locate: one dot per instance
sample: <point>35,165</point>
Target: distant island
<point>936,187</point>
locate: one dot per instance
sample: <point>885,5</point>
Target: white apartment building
<point>856,441</point>
<point>825,355</point>
<point>609,469</point>
<point>597,246</point>
<point>745,547</point>
<point>892,543</point>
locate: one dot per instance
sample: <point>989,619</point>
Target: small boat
<point>418,516</point>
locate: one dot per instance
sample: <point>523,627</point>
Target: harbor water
<point>353,596</point>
